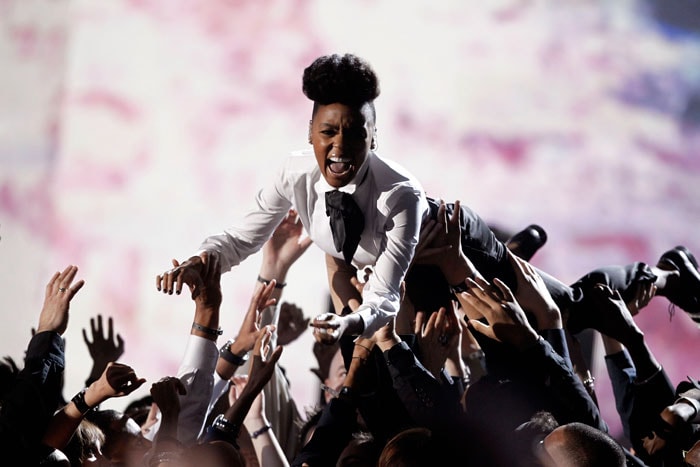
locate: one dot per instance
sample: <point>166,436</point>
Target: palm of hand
<point>614,318</point>
<point>103,347</point>
<point>511,325</point>
<point>440,240</point>
<point>284,245</point>
<point>291,324</point>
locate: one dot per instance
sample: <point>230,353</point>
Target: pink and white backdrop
<point>130,129</point>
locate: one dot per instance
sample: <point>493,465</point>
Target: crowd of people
<point>442,345</point>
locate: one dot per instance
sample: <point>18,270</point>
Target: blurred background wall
<point>131,129</point>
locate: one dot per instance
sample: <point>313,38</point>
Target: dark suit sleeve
<point>36,394</point>
<point>567,393</point>
<point>428,402</point>
<point>332,433</point>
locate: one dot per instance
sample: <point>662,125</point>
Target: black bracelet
<point>262,430</point>
<point>266,282</point>
<point>206,330</point>
<point>80,404</point>
<point>232,358</point>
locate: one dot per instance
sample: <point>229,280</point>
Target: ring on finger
<point>61,289</point>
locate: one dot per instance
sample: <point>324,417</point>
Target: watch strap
<point>80,404</point>
<point>232,358</point>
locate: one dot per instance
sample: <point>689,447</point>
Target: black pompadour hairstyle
<point>345,79</point>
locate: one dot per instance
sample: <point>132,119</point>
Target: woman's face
<point>341,136</point>
<point>336,374</point>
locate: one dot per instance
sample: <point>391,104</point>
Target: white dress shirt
<point>393,203</point>
<point>197,373</point>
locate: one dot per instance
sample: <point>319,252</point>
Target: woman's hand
<point>188,272</point>
<point>59,292</point>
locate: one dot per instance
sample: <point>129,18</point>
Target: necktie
<point>347,222</point>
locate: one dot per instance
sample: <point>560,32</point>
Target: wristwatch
<point>223,425</point>
<point>80,404</point>
<point>233,359</point>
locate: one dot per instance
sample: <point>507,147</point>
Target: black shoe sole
<point>675,259</point>
<point>690,256</point>
<point>527,244</point>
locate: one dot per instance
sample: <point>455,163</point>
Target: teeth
<point>338,159</point>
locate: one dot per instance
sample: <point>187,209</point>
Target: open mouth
<point>339,166</point>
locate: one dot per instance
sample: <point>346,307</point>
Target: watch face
<point>222,424</point>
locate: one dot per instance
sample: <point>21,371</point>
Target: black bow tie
<point>347,222</point>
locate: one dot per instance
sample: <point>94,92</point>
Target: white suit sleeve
<point>236,243</point>
<point>381,295</point>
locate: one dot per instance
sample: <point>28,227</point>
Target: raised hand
<point>291,323</point>
<point>532,294</point>
<point>166,396</point>
<point>103,348</point>
<point>440,243</point>
<point>206,289</point>
<point>614,319</point>
<point>117,380</point>
<point>187,272</point>
<point>286,244</point>
<point>438,236</point>
<point>437,337</point>
<point>506,320</point>
<point>263,361</point>
<point>250,331</point>
<point>60,290</point>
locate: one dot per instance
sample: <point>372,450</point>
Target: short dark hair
<point>591,446</point>
<point>345,79</point>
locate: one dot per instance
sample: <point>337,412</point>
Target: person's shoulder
<point>300,163</point>
<point>391,173</point>
<point>301,159</point>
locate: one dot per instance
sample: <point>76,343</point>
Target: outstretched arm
<point>440,243</point>
<point>286,245</point>
<point>506,322</point>
<point>117,380</point>
<point>381,296</point>
<point>36,393</point>
<point>262,366</point>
